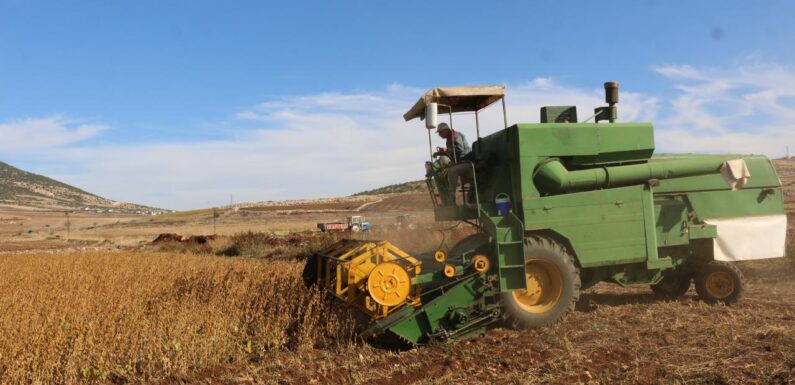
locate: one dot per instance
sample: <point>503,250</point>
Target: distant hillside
<point>22,189</point>
<point>413,186</point>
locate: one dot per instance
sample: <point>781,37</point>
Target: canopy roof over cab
<point>457,99</point>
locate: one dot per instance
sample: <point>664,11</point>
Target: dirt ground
<point>616,336</point>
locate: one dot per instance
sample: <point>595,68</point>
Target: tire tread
<point>514,319</point>
<point>709,267</point>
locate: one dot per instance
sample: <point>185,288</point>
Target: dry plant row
<point>141,316</point>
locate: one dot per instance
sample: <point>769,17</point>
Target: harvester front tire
<point>720,282</point>
<point>674,284</point>
<point>554,283</point>
<point>477,242</point>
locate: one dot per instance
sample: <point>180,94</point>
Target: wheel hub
<point>544,287</point>
<point>719,284</point>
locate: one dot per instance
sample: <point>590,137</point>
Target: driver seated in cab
<point>443,169</point>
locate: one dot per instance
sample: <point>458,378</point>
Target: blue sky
<point>180,103</point>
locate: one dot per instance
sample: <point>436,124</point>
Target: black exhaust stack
<point>609,113</point>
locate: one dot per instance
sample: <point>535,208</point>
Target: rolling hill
<point>413,186</point>
<point>20,189</point>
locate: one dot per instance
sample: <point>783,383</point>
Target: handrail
<point>433,189</point>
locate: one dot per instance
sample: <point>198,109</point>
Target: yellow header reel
<point>374,276</point>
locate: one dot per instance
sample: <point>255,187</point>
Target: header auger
<point>557,207</point>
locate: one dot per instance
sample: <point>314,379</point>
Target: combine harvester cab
<point>557,207</point>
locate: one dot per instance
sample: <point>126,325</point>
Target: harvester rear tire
<point>554,268</point>
<point>720,282</point>
<point>674,284</point>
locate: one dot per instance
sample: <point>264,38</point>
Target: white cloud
<point>728,110</point>
<point>338,143</point>
<point>29,134</point>
<point>329,144</point>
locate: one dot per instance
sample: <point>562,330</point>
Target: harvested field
<point>315,205</point>
<point>616,337</point>
<point>53,244</point>
<point>378,203</point>
<point>403,202</point>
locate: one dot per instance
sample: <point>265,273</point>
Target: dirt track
<point>403,202</point>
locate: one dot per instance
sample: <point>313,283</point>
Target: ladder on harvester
<point>508,233</point>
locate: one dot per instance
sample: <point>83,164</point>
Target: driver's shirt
<point>458,143</point>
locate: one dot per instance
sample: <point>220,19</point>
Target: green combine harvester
<point>559,206</point>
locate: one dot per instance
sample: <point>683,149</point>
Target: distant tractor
<point>404,222</point>
<point>557,207</point>
<point>354,224</point>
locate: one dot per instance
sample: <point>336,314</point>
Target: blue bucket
<point>503,203</point>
